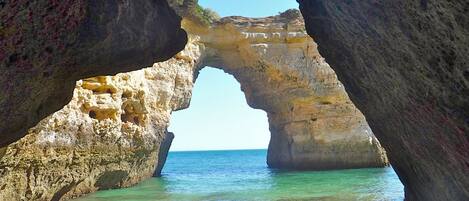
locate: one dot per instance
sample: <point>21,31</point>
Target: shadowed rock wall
<point>45,46</point>
<point>405,66</point>
<point>163,153</point>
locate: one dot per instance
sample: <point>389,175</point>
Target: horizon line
<point>200,150</point>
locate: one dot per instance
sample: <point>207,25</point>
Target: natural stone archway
<point>114,131</point>
<point>405,65</point>
<point>416,46</point>
<point>313,123</point>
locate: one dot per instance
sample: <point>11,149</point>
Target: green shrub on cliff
<point>191,9</point>
<point>206,15</point>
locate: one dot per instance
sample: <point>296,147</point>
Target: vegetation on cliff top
<point>192,10</point>
<point>206,15</point>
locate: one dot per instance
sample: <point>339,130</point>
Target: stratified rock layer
<point>114,131</point>
<point>405,65</point>
<point>45,46</point>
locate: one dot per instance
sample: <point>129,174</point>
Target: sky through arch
<point>248,8</point>
<point>218,117</point>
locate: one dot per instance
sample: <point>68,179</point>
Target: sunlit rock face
<point>114,131</point>
<point>108,136</point>
<point>405,65</point>
<point>313,123</point>
<point>46,46</point>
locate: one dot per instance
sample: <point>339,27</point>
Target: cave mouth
<point>312,122</point>
<point>219,150</point>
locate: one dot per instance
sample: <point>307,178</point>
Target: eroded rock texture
<point>45,46</point>
<point>113,132</point>
<point>108,136</point>
<point>405,65</point>
<point>313,123</point>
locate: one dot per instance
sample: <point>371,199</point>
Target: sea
<point>244,175</point>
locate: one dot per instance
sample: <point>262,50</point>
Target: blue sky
<point>249,8</point>
<point>219,117</point>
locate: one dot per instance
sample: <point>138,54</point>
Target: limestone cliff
<point>108,136</point>
<point>46,46</point>
<point>405,65</point>
<point>114,131</point>
<point>313,123</point>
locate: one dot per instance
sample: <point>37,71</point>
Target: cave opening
<point>312,123</point>
<point>219,150</point>
<point>424,133</point>
<point>238,170</point>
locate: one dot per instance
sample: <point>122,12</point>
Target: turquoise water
<point>243,175</point>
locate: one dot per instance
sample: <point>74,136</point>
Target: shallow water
<point>243,175</point>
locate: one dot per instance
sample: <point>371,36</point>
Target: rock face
<point>45,46</point>
<point>405,65</point>
<point>313,123</point>
<point>114,131</point>
<point>108,136</point>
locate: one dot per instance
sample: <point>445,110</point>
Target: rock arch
<point>313,123</point>
<point>118,124</point>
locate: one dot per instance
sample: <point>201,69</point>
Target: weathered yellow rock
<point>109,135</point>
<point>313,123</point>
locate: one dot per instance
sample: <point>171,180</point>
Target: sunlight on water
<point>243,175</point>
